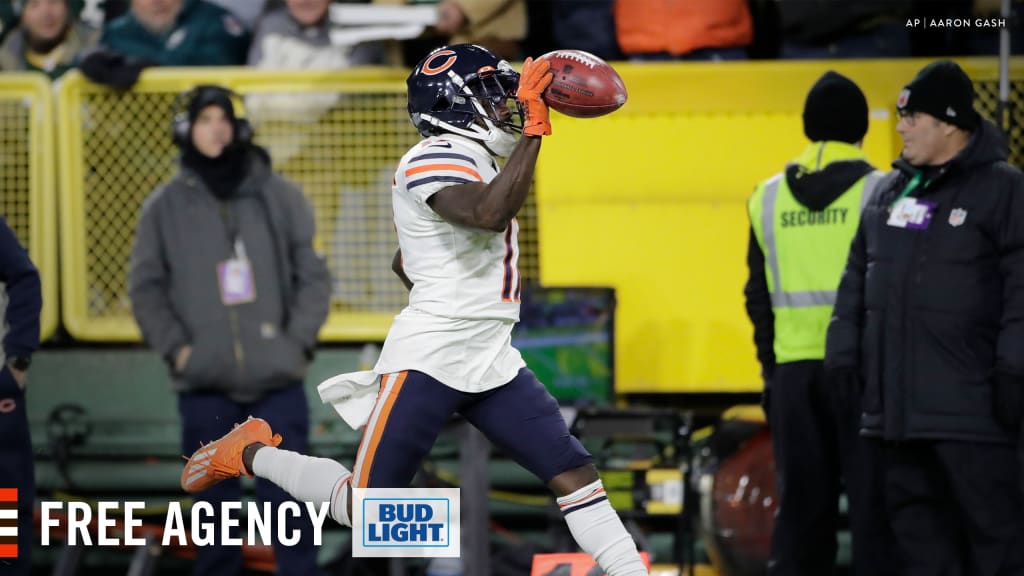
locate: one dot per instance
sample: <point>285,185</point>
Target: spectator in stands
<point>498,25</point>
<point>227,288</point>
<point>20,279</point>
<point>47,39</point>
<point>821,29</point>
<point>166,33</point>
<point>691,30</point>
<point>297,37</point>
<point>585,25</point>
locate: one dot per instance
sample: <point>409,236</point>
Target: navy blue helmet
<point>465,89</point>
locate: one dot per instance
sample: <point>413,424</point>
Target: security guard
<point>802,221</point>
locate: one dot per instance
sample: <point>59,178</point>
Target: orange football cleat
<point>222,458</point>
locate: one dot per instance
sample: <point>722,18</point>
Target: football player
<point>450,350</point>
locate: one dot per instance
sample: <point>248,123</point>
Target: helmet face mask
<point>465,89</point>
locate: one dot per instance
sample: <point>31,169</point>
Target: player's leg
<point>287,412</point>
<point>205,416</point>
<point>523,420</point>
<point>410,411</point>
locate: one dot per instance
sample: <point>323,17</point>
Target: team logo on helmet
<point>903,98</point>
<point>449,60</point>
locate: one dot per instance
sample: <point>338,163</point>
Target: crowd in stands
<point>113,40</point>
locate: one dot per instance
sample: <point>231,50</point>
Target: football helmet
<point>465,89</point>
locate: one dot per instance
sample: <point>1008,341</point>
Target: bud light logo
<point>406,522</point>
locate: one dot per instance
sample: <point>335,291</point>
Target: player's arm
<point>399,269</point>
<point>491,206</point>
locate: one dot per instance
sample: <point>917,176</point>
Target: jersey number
<point>512,284</point>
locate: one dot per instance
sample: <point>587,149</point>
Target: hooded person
<point>228,289</point>
<point>927,318</point>
<point>802,220</point>
<point>48,38</point>
<point>218,144</point>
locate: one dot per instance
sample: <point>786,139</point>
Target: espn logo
<point>8,522</point>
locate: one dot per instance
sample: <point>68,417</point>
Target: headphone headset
<point>181,126</point>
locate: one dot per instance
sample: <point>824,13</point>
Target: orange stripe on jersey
<point>441,167</point>
<point>8,550</point>
<point>8,494</point>
<point>371,437</point>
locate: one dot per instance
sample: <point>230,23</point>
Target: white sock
<point>599,531</point>
<point>306,478</point>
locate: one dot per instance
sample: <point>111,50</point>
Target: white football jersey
<point>466,284</point>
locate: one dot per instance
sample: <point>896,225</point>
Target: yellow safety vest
<point>805,251</point>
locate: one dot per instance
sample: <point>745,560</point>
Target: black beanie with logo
<point>943,90</point>
<point>835,109</point>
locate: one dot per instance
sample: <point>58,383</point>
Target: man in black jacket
<point>930,319</point>
<point>21,302</point>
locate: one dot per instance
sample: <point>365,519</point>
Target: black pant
<point>207,416</point>
<point>955,508</point>
<point>816,440</point>
<point>17,470</point>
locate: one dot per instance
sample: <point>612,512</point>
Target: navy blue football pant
<point>520,418</point>
<point>16,471</point>
<point>819,451</point>
<point>208,416</point>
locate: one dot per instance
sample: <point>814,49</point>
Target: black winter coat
<point>928,316</point>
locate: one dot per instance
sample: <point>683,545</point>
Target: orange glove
<point>535,78</point>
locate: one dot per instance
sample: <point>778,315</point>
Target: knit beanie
<point>836,109</point>
<point>943,90</point>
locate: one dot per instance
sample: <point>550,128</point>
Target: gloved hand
<point>113,69</point>
<point>1008,402</point>
<point>535,78</point>
<point>848,386</point>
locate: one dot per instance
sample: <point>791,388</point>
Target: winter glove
<point>113,69</point>
<point>533,81</point>
<point>1008,402</point>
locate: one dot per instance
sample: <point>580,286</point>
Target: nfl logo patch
<point>903,97</point>
<point>957,216</point>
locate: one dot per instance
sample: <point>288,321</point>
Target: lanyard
<point>911,186</point>
<point>234,236</point>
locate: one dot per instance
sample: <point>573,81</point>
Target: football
<point>584,86</point>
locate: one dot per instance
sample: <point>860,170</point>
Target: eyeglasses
<point>910,118</point>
